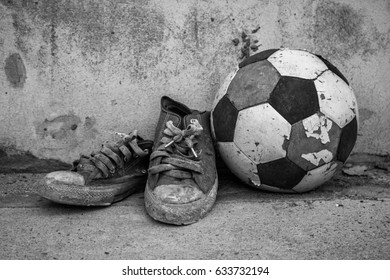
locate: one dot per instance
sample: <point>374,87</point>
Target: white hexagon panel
<point>238,163</point>
<point>262,133</point>
<point>316,177</point>
<point>314,141</point>
<point>297,63</point>
<point>225,85</point>
<point>336,98</point>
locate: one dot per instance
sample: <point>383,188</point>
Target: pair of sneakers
<point>177,169</point>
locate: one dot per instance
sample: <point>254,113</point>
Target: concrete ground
<point>347,218</point>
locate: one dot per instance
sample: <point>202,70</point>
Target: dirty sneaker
<point>182,182</point>
<point>107,176</point>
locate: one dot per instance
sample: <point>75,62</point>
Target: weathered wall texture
<point>73,72</point>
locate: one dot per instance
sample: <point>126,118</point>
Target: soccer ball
<point>285,120</point>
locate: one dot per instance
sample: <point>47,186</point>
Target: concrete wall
<point>73,72</point>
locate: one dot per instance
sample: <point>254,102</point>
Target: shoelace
<point>179,158</point>
<point>111,157</point>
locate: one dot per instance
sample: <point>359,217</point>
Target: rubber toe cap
<point>65,177</point>
<point>178,194</point>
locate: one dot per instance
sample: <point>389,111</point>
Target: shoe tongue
<point>177,112</point>
<point>90,175</point>
<point>177,121</point>
<point>88,170</point>
<point>187,119</point>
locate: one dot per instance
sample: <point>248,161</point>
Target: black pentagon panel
<point>253,84</point>
<point>295,98</point>
<point>224,120</point>
<point>257,57</point>
<point>347,140</point>
<point>313,142</point>
<point>333,68</point>
<point>281,173</point>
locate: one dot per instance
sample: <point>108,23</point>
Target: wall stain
<point>53,34</point>
<point>97,27</point>
<point>338,30</point>
<point>89,131</point>
<point>196,27</point>
<point>58,128</point>
<point>22,31</point>
<point>198,35</point>
<point>193,32</point>
<point>365,114</point>
<point>15,70</point>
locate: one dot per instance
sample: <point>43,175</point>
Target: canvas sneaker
<point>182,181</point>
<point>106,176</point>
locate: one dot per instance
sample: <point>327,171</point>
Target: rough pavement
<point>347,218</point>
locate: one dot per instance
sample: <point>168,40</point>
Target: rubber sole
<point>180,214</point>
<point>91,195</point>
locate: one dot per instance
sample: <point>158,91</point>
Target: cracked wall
<point>74,72</point>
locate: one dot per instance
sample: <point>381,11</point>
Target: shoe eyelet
<point>112,171</point>
<point>143,171</point>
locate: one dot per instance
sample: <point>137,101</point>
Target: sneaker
<point>182,182</point>
<point>107,176</point>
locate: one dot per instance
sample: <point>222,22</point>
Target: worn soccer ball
<point>285,120</point>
